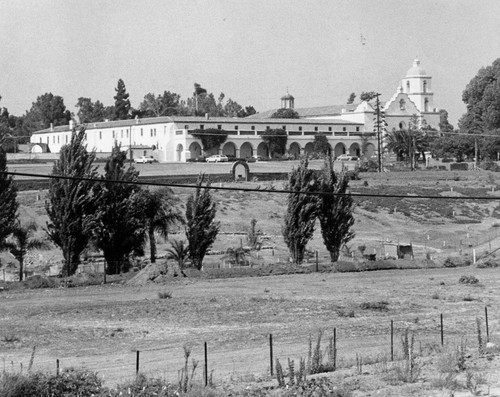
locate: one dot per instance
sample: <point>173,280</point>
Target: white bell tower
<point>417,85</point>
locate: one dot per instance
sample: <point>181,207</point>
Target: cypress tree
<point>335,212</point>
<point>301,210</point>
<point>119,227</point>
<point>71,201</point>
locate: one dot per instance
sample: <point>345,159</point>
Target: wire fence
<point>379,341</point>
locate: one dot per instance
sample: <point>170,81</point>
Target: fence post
<point>335,349</point>
<point>317,267</point>
<point>137,362</point>
<point>392,340</point>
<point>57,367</point>
<point>206,365</point>
<point>442,331</point>
<point>487,327</point>
<point>271,352</point>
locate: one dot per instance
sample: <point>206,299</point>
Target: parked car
<point>217,158</point>
<point>347,157</point>
<point>144,160</point>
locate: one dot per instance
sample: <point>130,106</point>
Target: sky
<point>253,51</point>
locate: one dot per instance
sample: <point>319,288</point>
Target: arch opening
<point>246,150</point>
<point>195,151</point>
<point>229,149</point>
<point>339,150</point>
<point>294,150</point>
<point>179,151</point>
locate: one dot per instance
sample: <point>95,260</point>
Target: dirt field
<point>100,327</point>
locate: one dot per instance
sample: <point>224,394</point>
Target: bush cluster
<point>83,383</point>
<point>456,261</point>
<point>468,279</point>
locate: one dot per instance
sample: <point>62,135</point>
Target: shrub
<point>487,263</point>
<point>459,166</point>
<point>165,295</point>
<point>468,279</point>
<point>369,166</point>
<point>39,282</point>
<point>71,382</point>
<point>379,306</point>
<point>456,261</point>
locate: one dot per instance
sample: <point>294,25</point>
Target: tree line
<point>112,214</point>
<point>49,109</point>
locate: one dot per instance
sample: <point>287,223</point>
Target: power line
<point>258,190</point>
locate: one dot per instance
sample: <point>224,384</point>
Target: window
<point>344,129</point>
<point>202,127</point>
<point>127,133</point>
<point>58,139</point>
<point>316,129</point>
<point>253,128</point>
<point>155,131</point>
<point>426,105</point>
<point>66,139</point>
<point>425,86</point>
<point>219,127</point>
<point>408,86</point>
<point>329,129</point>
<point>402,104</point>
<point>300,128</point>
<point>54,139</point>
<point>151,131</point>
<point>141,131</point>
<point>357,129</point>
<point>40,139</point>
<point>186,127</point>
<point>236,127</point>
<point>100,134</point>
<point>113,133</point>
<point>284,127</point>
<point>121,132</point>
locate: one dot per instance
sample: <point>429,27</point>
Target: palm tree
<point>21,241</point>
<point>179,252</point>
<point>160,214</point>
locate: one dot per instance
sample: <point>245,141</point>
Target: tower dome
<point>416,69</point>
<point>287,101</point>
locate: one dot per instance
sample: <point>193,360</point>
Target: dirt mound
<point>157,273</point>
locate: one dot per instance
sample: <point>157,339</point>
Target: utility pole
<point>475,153</point>
<point>378,134</point>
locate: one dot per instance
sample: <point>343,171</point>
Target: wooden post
<point>317,266</point>
<point>487,327</point>
<point>442,331</point>
<point>137,362</point>
<point>57,367</point>
<point>271,352</point>
<point>335,349</point>
<point>392,340</point>
<point>206,365</point>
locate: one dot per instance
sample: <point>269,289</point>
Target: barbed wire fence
<point>378,342</point>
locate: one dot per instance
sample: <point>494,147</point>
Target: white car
<point>216,158</point>
<point>144,160</point>
<point>346,157</point>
